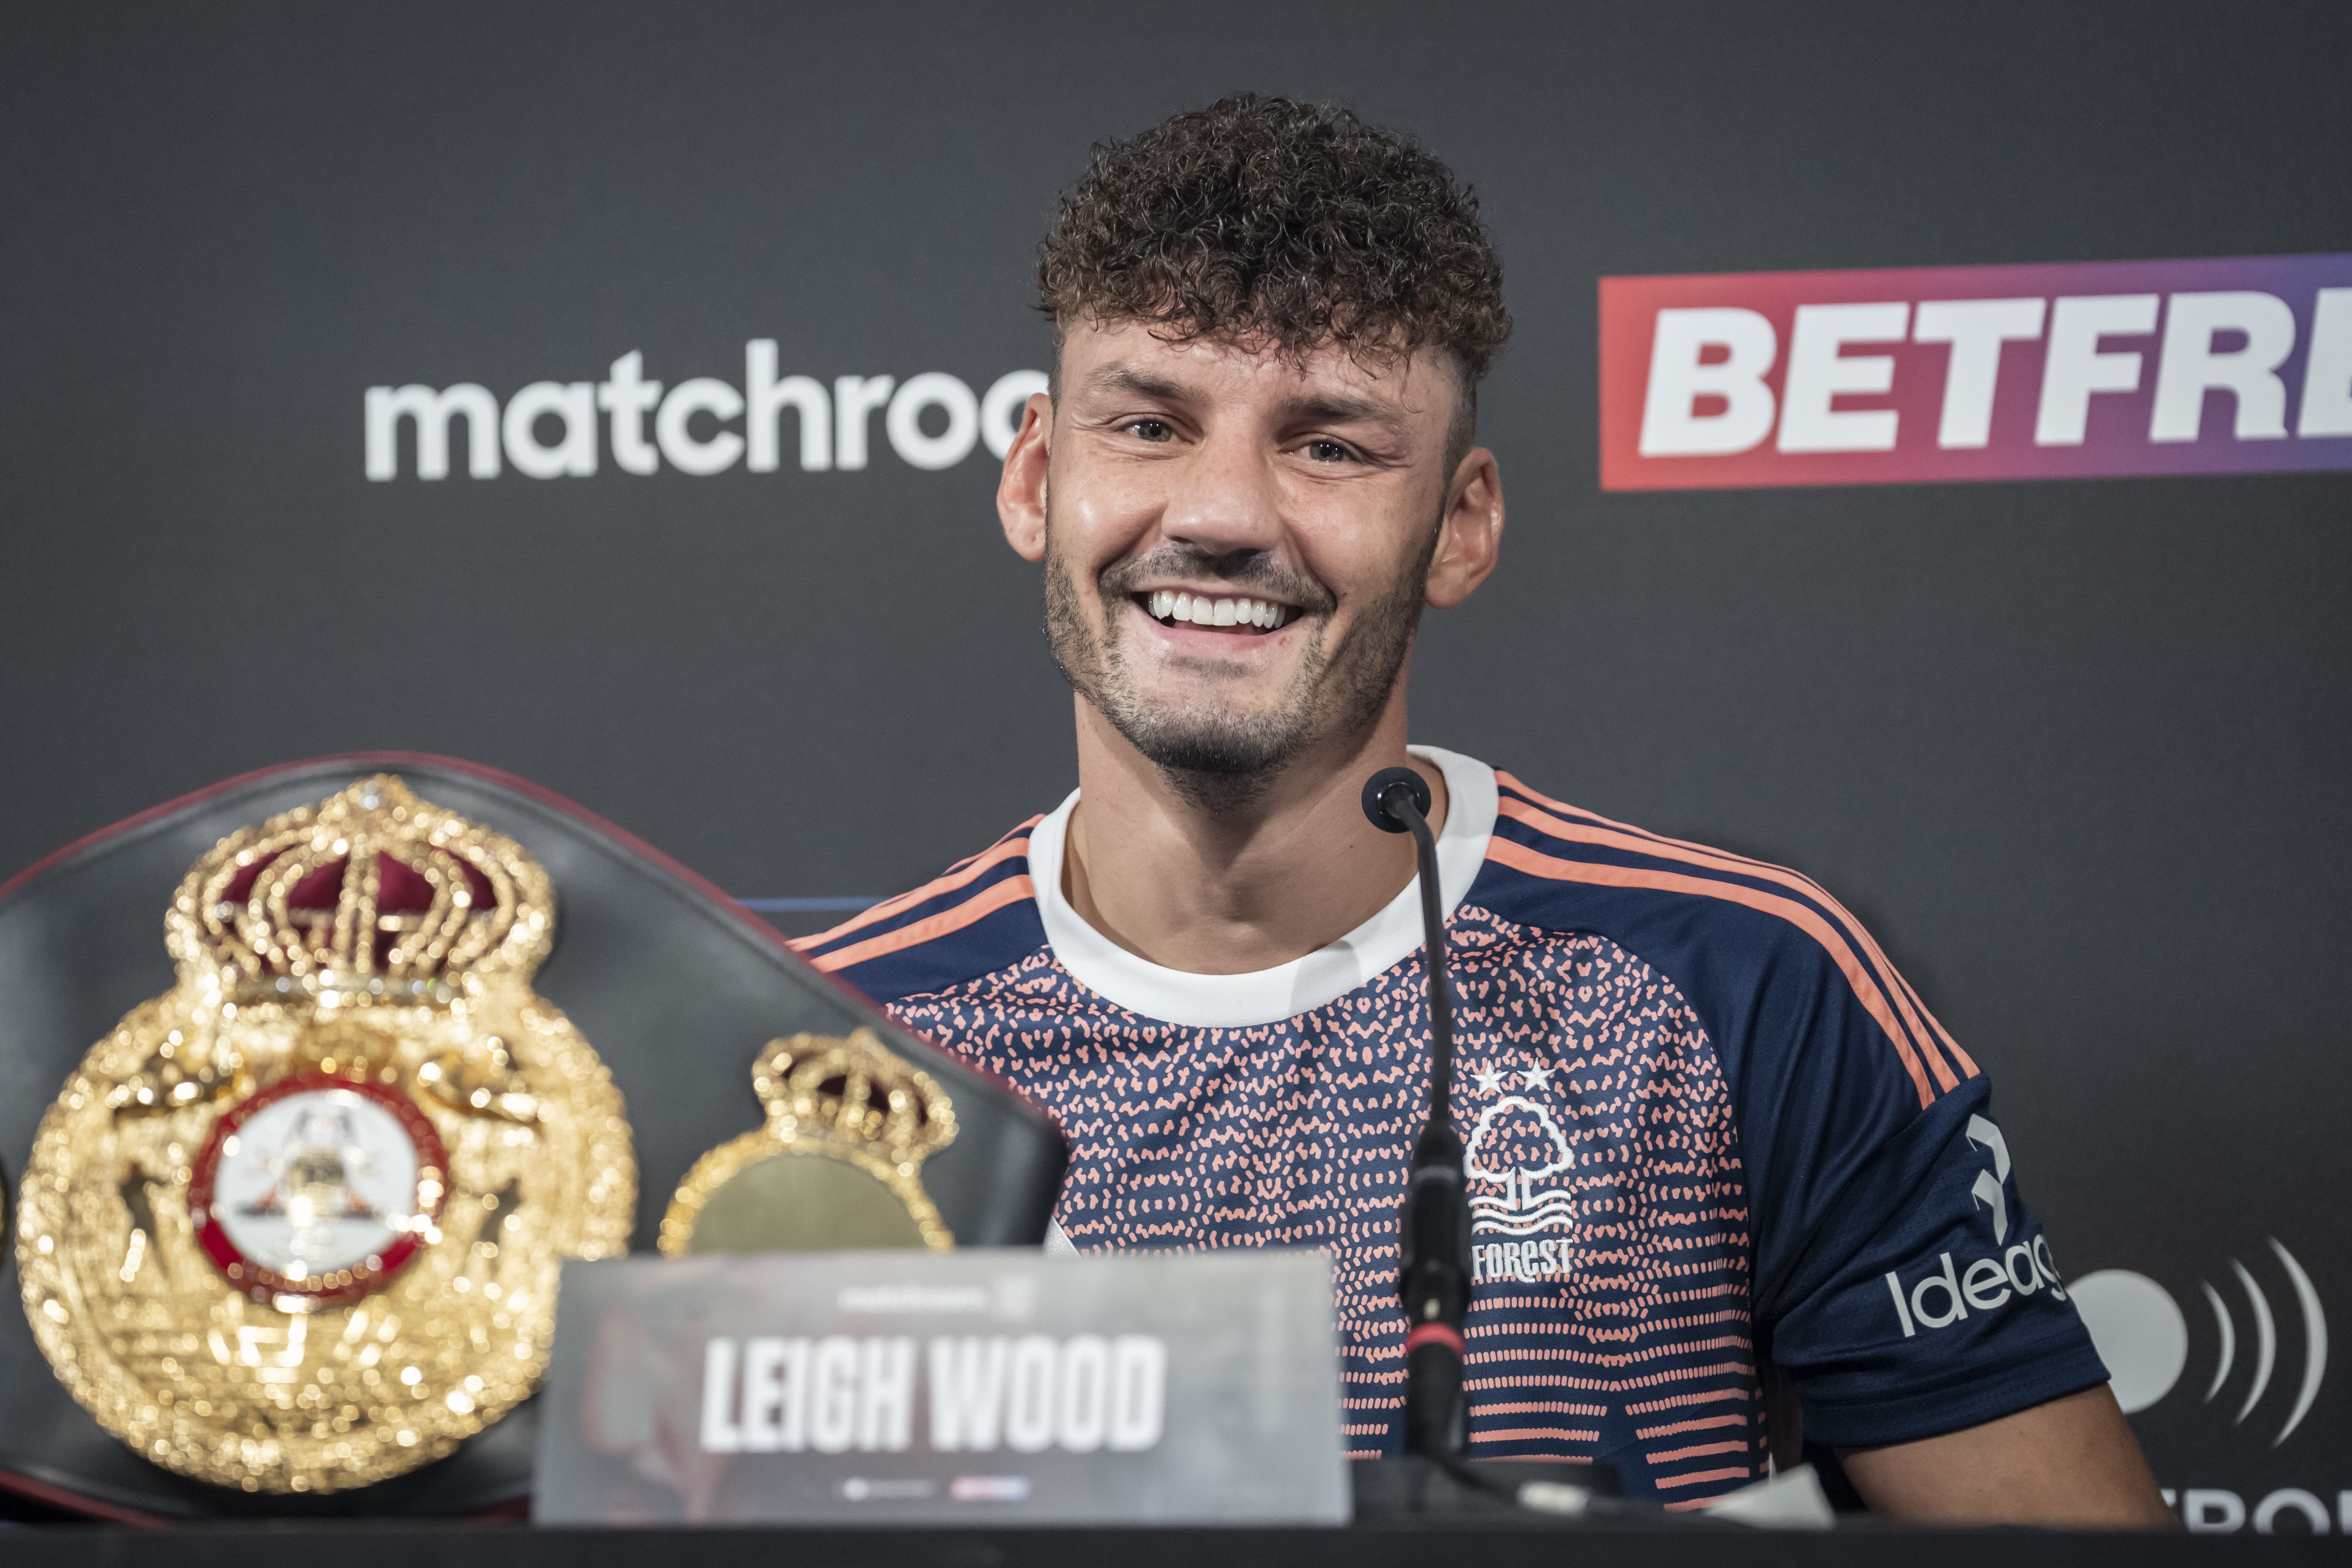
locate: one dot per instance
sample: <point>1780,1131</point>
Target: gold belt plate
<point>837,1164</point>
<point>295,1224</point>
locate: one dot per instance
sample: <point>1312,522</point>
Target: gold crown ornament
<point>837,1164</point>
<point>295,1224</point>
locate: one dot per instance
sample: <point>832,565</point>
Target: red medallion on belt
<point>317,1190</point>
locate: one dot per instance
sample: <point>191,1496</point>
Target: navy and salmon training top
<point>1708,1124</point>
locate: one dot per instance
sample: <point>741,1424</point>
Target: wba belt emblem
<point>295,1224</point>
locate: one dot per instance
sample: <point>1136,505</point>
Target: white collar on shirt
<point>1266,995</point>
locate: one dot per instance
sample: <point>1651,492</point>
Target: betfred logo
<point>1914,375</point>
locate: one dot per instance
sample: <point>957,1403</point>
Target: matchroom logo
<point>568,429</point>
<point>1916,374</point>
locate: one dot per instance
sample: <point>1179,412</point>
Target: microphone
<point>1434,1242</point>
<point>1433,1220</point>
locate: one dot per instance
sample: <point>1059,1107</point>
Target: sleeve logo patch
<point>1948,1293</point>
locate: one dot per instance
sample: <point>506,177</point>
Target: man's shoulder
<point>1739,936</point>
<point>1558,862</point>
<point>978,916</point>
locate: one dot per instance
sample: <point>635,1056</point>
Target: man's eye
<point>1154,430</point>
<point>1327,452</point>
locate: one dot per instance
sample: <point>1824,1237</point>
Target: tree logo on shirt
<point>1515,1145</point>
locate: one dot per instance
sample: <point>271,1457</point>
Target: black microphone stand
<point>1434,1258</point>
<point>1433,1220</point>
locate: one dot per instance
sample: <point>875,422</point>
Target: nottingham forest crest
<point>1522,1208</point>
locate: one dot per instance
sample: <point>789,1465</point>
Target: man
<point>1715,1142</point>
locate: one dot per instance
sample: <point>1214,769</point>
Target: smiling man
<point>1729,1178</point>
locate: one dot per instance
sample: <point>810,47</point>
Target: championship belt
<point>295,1224</point>
<point>392,1151</point>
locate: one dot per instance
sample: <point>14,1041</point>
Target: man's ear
<point>1470,534</point>
<point>1021,489</point>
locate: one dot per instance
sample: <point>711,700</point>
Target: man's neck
<point>1225,891</point>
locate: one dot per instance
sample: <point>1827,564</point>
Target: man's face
<point>1237,545</point>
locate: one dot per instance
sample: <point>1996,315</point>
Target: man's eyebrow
<point>1317,407</point>
<point>1330,408</point>
<point>1128,378</point>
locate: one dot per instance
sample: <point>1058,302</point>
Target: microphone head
<point>1376,797</point>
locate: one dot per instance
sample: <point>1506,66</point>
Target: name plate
<point>954,1388</point>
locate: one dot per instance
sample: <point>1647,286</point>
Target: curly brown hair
<point>1278,225</point>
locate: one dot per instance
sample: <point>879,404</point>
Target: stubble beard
<point>1218,761</point>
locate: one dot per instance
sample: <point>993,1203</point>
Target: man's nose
<point>1224,500</point>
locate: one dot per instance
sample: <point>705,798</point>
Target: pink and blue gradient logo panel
<point>1907,376</point>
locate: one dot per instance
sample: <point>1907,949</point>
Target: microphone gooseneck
<point>1433,1220</point>
<point>1434,1238</point>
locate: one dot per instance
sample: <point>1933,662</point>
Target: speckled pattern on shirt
<point>1610,1315</point>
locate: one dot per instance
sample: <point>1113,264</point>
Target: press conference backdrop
<point>2075,749</point>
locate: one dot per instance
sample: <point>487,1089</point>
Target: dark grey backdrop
<point>2076,751</point>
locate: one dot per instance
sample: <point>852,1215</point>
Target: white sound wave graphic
<point>2229,1341</point>
<point>2266,1340</point>
<point>2315,1359</point>
<point>2140,1333</point>
<point>2265,1326</point>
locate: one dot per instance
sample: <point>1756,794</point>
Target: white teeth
<point>1199,610</point>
